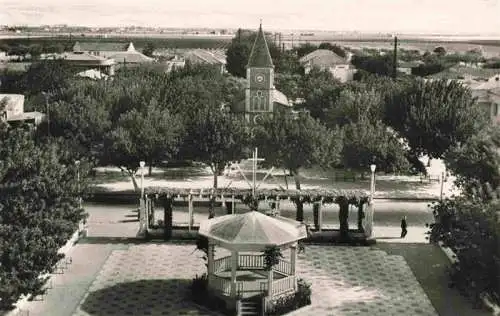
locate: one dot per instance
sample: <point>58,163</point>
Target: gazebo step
<point>249,308</point>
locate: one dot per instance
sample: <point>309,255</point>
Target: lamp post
<point>372,183</point>
<point>141,165</point>
<point>77,164</point>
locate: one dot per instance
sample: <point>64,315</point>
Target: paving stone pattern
<point>145,280</point>
<point>349,281</point>
<point>346,281</point>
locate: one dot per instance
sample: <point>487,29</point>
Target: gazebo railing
<point>283,285</point>
<point>220,284</point>
<point>250,287</point>
<point>283,267</point>
<point>251,261</point>
<point>222,264</point>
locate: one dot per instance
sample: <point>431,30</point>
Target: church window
<point>259,101</point>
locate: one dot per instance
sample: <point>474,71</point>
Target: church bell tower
<point>260,80</point>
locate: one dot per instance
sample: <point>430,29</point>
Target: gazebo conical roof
<point>252,231</point>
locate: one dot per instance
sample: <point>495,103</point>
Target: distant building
<point>465,74</point>
<point>207,57</point>
<point>117,51</point>
<point>175,63</point>
<point>325,59</point>
<point>93,74</point>
<point>488,97</point>
<point>82,61</point>
<point>407,67</point>
<point>12,110</point>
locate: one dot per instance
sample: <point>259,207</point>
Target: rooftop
<point>323,58</point>
<point>252,229</point>
<point>463,72</point>
<point>130,57</point>
<point>205,56</point>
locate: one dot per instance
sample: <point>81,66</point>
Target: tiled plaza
<point>153,279</point>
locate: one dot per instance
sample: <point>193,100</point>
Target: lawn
<point>428,263</point>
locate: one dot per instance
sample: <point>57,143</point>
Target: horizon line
<point>381,32</point>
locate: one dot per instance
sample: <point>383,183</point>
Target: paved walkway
<point>154,279</point>
<point>69,288</point>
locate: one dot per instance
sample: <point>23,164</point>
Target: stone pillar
<point>234,267</point>
<point>233,206</point>
<point>320,215</point>
<point>190,211</point>
<point>210,259</point>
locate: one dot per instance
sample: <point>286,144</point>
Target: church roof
<point>260,56</point>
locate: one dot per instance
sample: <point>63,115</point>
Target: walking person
<point>403,227</point>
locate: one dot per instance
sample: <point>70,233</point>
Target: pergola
<point>247,236</point>
<point>318,197</point>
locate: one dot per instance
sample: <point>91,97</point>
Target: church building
<point>261,97</point>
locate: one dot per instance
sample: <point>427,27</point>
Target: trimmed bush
<point>289,303</point>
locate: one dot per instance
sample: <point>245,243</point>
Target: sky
<point>395,16</point>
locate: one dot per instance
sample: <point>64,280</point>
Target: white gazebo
<point>246,236</point>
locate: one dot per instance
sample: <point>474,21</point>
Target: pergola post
<point>190,211</point>
<point>278,206</point>
<point>232,204</point>
<point>210,258</point>
<point>234,267</point>
<point>320,214</point>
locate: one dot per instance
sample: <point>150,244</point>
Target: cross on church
<point>255,158</point>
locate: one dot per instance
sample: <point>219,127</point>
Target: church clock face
<point>259,78</point>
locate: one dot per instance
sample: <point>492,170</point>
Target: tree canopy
<point>432,116</point>
<point>39,210</point>
<point>215,138</point>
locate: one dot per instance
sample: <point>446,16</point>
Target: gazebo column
<point>270,279</point>
<point>293,262</point>
<point>234,268</point>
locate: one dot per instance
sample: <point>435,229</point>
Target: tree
<point>215,138</point>
<point>433,116</point>
<point>367,143</point>
<point>148,49</point>
<point>289,84</point>
<point>51,76</point>
<point>288,63</point>
<point>353,105</point>
<point>239,51</point>
<point>304,49</point>
<point>83,119</point>
<point>39,211</point>
<point>151,135</point>
<point>476,162</point>
<point>320,91</point>
<point>380,65</point>
<point>334,48</point>
<point>297,142</point>
<point>440,50</point>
